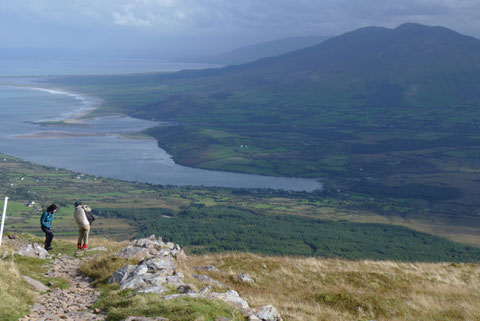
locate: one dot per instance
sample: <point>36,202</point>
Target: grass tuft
<point>15,296</point>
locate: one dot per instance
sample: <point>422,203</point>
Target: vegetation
<point>15,296</point>
<point>394,137</point>
<point>308,289</point>
<point>303,289</point>
<point>325,223</point>
<point>218,229</point>
<point>120,304</point>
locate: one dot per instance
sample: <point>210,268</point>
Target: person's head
<point>52,208</point>
<point>78,203</point>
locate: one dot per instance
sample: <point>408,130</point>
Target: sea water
<point>97,147</point>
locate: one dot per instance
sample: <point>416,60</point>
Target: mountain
<point>265,49</point>
<point>395,105</point>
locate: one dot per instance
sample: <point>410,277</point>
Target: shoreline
<point>90,104</point>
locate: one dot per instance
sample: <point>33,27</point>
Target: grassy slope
<point>321,289</point>
<point>302,289</point>
<point>141,206</point>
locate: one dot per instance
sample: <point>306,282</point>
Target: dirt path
<point>69,304</point>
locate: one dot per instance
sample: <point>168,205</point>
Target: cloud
<point>128,18</point>
<point>240,22</point>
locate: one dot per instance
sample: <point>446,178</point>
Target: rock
<point>187,288</point>
<point>170,245</point>
<point>230,297</point>
<point>36,285</point>
<point>205,290</point>
<point>159,264</point>
<point>131,252</point>
<point>209,280</point>
<point>209,268</point>
<point>34,250</point>
<point>155,289</point>
<point>11,236</point>
<point>253,317</point>
<point>174,280</point>
<point>245,278</point>
<point>134,282</point>
<point>222,319</point>
<point>267,313</point>
<point>38,307</point>
<point>121,274</point>
<point>5,255</point>
<point>155,279</point>
<point>179,255</point>
<point>99,248</point>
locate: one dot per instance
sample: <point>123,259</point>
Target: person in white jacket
<point>83,224</point>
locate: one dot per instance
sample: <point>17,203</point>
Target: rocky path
<point>68,304</point>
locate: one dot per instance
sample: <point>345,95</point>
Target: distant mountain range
<point>265,49</point>
<point>410,63</point>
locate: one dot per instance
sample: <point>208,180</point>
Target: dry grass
<point>15,296</point>
<point>331,289</point>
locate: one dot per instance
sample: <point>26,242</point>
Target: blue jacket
<point>46,219</point>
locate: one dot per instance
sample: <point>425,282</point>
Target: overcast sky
<point>174,26</point>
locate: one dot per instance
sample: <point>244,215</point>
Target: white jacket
<point>80,216</point>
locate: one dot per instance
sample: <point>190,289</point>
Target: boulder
<point>36,285</point>
<point>120,275</point>
<point>34,250</point>
<point>135,282</point>
<point>174,280</point>
<point>132,252</point>
<point>230,297</point>
<point>158,289</point>
<point>209,280</point>
<point>159,264</point>
<point>245,278</point>
<point>267,313</point>
<point>187,288</point>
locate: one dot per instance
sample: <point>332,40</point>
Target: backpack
<point>90,217</point>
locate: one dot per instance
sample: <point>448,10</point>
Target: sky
<point>188,27</point>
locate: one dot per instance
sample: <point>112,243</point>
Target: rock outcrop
<point>157,272</point>
<point>34,250</point>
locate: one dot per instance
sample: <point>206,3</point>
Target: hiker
<point>46,224</point>
<point>82,215</point>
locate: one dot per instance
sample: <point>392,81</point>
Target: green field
<point>322,223</point>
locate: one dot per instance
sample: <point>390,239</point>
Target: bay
<point>98,147</point>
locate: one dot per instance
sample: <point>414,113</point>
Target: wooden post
<point>3,219</point>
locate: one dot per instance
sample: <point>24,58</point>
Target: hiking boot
<point>48,248</point>
<point>85,246</point>
<point>79,246</point>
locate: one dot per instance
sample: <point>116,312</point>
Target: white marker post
<point>3,219</point>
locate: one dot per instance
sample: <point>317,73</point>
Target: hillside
<point>208,220</point>
<point>386,117</point>
<point>301,289</point>
<point>264,49</point>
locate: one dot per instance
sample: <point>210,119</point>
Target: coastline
<point>89,104</point>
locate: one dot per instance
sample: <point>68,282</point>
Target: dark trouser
<point>48,236</point>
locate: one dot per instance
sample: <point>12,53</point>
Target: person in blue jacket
<point>46,224</point>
